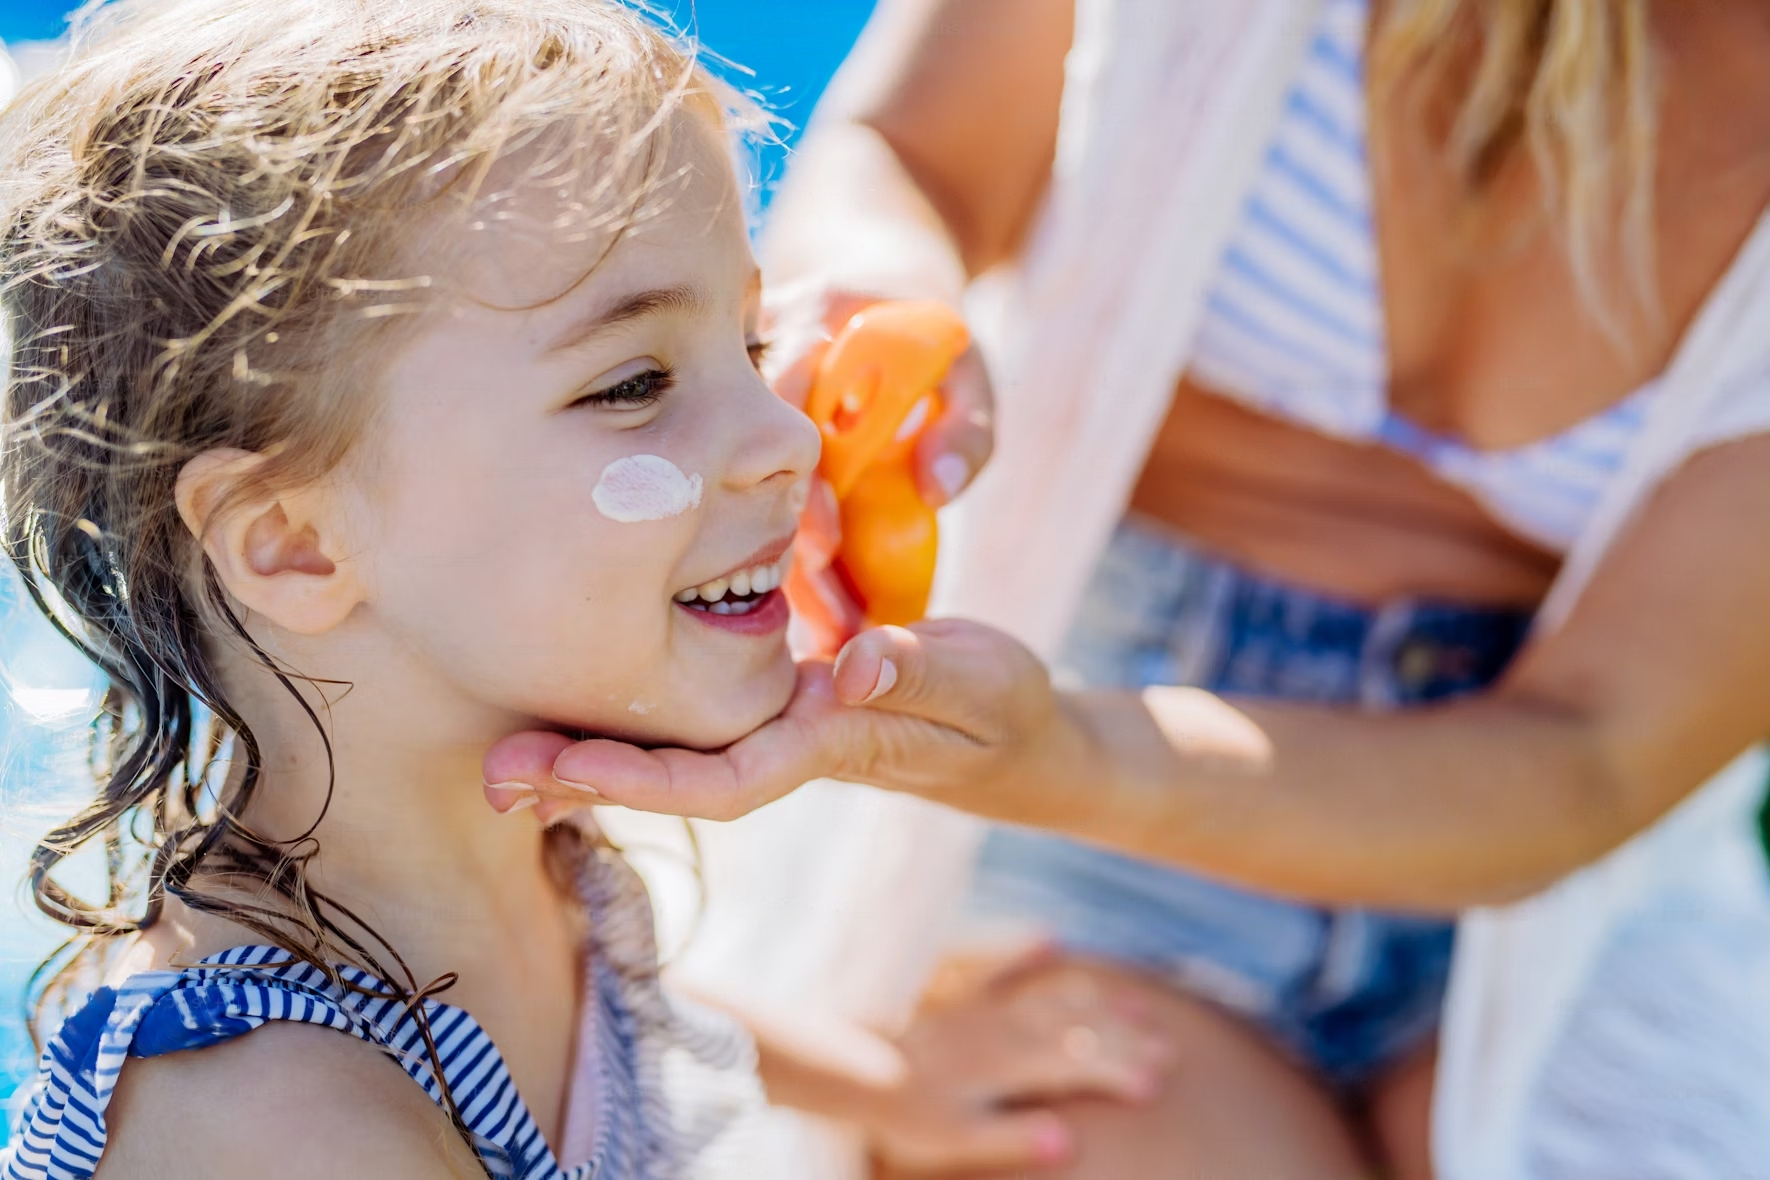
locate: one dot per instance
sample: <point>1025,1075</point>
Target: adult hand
<point>935,708</point>
<point>802,318</point>
<point>800,321</point>
<point>993,1039</point>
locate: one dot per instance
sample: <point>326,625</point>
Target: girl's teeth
<point>741,585</point>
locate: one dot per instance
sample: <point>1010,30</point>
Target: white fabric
<point>584,1093</point>
<point>1665,1077</point>
<point>1166,112</point>
<point>831,902</point>
<point>1167,109</point>
<point>1523,970</point>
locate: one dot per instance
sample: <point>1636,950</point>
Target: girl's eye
<point>632,393</point>
<point>759,352</point>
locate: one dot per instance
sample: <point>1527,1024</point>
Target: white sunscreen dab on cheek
<point>645,487</point>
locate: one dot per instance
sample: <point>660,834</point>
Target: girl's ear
<point>282,557</point>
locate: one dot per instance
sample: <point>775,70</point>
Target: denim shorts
<point>1345,991</point>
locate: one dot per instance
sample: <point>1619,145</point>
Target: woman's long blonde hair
<point>1569,81</point>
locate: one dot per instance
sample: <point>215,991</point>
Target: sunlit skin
<point>456,583</point>
<point>489,559</point>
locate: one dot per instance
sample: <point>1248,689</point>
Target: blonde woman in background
<point>1399,373</point>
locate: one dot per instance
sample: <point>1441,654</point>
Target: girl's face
<point>546,486</point>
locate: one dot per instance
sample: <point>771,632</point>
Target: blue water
<point>791,47</point>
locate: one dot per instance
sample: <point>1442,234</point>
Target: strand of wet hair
<point>152,751</point>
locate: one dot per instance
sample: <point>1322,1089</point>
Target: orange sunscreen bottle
<point>876,390</point>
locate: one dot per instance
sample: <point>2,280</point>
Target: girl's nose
<point>777,442</point>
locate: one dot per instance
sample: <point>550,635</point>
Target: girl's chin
<point>735,714</point>
<point>707,722</point>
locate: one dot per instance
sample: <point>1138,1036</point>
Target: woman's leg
<point>1399,1107</point>
<point>1233,1109</point>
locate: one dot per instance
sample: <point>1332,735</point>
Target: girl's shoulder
<point>291,1101</point>
<point>675,1080</point>
<point>295,1099</point>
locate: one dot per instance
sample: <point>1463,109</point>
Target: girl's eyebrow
<point>683,297</point>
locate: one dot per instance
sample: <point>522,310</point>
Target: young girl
<point>383,384</point>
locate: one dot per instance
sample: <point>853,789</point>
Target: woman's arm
<point>1659,677</point>
<point>930,150</point>
<point>921,169</point>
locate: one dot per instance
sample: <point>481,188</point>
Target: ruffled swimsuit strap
<point>674,1077</point>
<point>62,1131</point>
<point>680,1077</point>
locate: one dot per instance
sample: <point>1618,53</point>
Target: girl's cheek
<point>639,488</point>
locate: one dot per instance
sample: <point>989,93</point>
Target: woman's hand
<point>939,708</point>
<point>992,1040</point>
<point>802,318</point>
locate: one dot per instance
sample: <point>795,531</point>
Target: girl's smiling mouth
<point>748,600</point>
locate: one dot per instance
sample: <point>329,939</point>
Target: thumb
<point>949,671</point>
<point>871,666</point>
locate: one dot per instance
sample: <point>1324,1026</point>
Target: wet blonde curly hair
<point>203,221</point>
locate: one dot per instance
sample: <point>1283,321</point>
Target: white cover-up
<point>1615,1025</point>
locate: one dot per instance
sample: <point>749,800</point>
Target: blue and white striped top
<point>640,1041</point>
<point>1293,325</point>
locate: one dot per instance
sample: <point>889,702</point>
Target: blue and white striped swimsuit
<point>1294,327</point>
<point>642,1131</point>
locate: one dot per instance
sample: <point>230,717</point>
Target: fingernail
<point>1051,1142</point>
<point>887,678</point>
<point>951,472</point>
<point>522,804</point>
<point>584,787</point>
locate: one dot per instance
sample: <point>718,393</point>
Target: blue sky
<point>792,45</point>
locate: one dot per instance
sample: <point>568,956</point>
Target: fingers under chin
<point>610,768</point>
<point>523,759</point>
<point>508,799</point>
